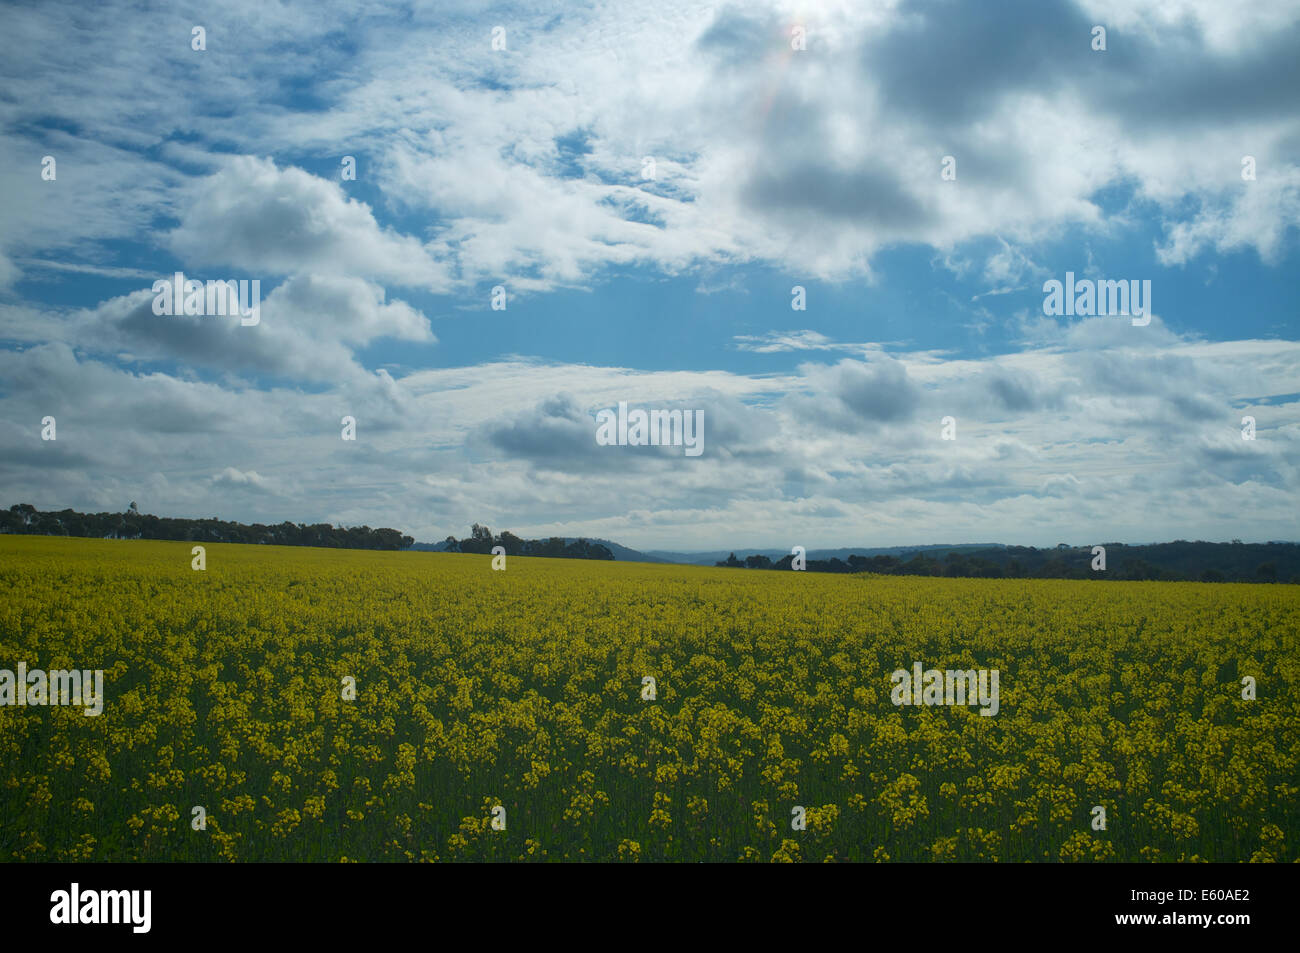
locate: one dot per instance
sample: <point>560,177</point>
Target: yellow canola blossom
<point>504,716</point>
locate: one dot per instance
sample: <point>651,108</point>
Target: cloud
<point>271,222</point>
<point>853,394</point>
<point>950,63</point>
<point>309,328</point>
<point>1257,215</point>
<point>558,434</point>
<point>810,194</point>
<point>526,164</point>
<point>555,431</point>
<point>230,477</point>
<point>8,273</point>
<point>1065,484</point>
<point>514,444</point>
<point>775,342</point>
<point>1011,393</point>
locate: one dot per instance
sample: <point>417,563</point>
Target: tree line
<point>1179,560</point>
<point>23,518</point>
<point>482,541</point>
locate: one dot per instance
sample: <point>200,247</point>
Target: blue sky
<point>775,167</point>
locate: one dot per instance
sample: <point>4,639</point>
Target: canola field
<point>499,715</point>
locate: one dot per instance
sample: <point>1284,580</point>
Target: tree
<point>480,541</point>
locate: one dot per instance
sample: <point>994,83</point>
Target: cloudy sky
<point>648,182</point>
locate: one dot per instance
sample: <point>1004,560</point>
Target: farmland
<point>524,690</point>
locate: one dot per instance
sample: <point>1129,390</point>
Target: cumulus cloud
<point>230,477</point>
<point>812,160</point>
<point>309,328</point>
<point>856,395</point>
<point>254,216</point>
<point>555,431</point>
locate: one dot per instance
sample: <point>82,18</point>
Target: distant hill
<point>1179,560</point>
<point>623,554</point>
<point>711,557</point>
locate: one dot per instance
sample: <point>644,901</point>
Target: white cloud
<point>309,328</point>
<point>8,273</point>
<point>230,477</point>
<point>843,454</point>
<point>525,165</point>
<point>775,342</point>
<point>271,221</point>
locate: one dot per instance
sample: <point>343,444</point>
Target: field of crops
<point>523,689</point>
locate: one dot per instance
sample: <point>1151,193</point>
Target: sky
<point>826,226</point>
